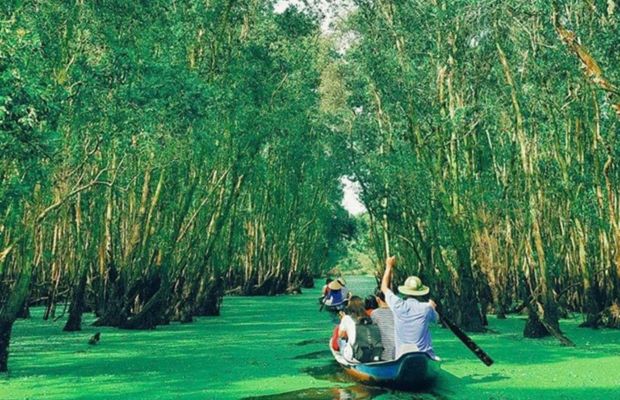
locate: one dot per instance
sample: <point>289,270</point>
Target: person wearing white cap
<point>411,316</point>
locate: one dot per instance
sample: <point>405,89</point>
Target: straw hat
<point>334,285</point>
<point>413,287</point>
<point>341,281</point>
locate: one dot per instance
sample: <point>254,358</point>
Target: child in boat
<point>346,330</point>
<point>383,317</point>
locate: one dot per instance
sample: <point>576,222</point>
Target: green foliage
<point>470,122</point>
<point>168,152</point>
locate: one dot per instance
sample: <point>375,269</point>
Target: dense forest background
<point>155,156</point>
<point>484,135</point>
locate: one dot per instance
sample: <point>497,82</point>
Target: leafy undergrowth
<point>276,348</point>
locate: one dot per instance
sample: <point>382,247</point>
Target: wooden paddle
<point>471,345</point>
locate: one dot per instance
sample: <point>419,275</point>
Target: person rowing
<point>337,294</point>
<point>325,290</point>
<point>412,317</point>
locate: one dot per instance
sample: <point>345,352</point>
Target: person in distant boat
<point>411,316</point>
<point>335,294</point>
<point>325,290</point>
<point>383,317</point>
<point>326,286</point>
<point>345,290</point>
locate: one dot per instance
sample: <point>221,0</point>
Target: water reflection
<point>330,372</point>
<point>310,341</point>
<point>314,355</point>
<point>356,392</point>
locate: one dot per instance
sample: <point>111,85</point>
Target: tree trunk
<point>307,281</point>
<point>611,316</point>
<point>154,312</point>
<point>592,307</point>
<point>74,322</point>
<point>469,317</point>
<point>543,321</point>
<point>184,295</point>
<point>150,316</point>
<point>533,327</point>
<point>210,302</point>
<point>24,311</point>
<point>500,311</point>
<point>113,293</point>
<point>5,338</point>
<point>213,301</point>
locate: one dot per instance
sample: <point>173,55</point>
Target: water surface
<point>276,348</point>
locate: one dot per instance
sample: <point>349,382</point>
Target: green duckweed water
<point>276,348</point>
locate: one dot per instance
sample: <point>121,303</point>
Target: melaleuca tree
<point>152,144</point>
<point>475,135</point>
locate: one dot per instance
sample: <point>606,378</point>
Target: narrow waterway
<point>276,348</point>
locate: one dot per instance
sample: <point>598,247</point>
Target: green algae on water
<point>277,347</point>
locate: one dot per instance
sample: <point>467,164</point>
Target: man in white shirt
<point>411,317</point>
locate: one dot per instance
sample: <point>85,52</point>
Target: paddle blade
<point>471,345</point>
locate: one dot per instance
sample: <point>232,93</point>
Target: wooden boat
<point>334,308</point>
<point>414,370</point>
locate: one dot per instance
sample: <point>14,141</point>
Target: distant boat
<point>411,371</point>
<point>336,307</point>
